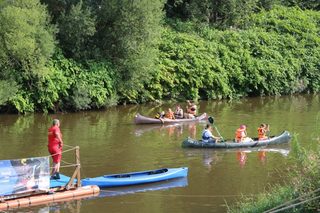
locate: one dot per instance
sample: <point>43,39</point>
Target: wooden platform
<point>60,196</point>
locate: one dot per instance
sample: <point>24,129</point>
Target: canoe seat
<point>159,171</point>
<point>122,176</point>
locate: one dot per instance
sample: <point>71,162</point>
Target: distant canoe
<point>140,119</point>
<point>282,138</point>
<point>135,178</point>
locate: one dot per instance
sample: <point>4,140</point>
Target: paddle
<point>211,121</point>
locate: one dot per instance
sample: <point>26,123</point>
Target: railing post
<point>76,173</point>
<point>78,166</point>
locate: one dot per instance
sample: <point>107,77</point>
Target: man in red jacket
<point>55,145</point>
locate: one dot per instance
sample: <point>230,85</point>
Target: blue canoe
<point>162,185</point>
<point>135,178</point>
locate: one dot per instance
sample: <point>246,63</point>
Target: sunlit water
<point>110,143</point>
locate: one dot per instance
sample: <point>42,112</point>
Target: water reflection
<point>170,129</point>
<point>210,159</point>
<point>242,158</point>
<point>163,185</point>
<point>242,155</point>
<point>73,206</point>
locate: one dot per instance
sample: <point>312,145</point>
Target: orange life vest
<point>240,135</point>
<point>261,133</point>
<point>170,115</point>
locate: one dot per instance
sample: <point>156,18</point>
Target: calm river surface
<point>110,143</point>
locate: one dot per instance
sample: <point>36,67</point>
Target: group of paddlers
<point>240,134</point>
<point>191,112</point>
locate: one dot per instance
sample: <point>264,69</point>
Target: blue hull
<point>135,178</point>
<point>163,185</point>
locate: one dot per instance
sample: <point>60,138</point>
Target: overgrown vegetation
<point>90,54</point>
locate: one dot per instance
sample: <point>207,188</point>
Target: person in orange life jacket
<point>262,131</point>
<point>241,134</point>
<point>170,114</point>
<point>191,109</point>
<point>179,112</point>
<point>207,135</point>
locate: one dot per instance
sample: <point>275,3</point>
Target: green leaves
<point>76,28</point>
<point>272,57</point>
<point>26,37</point>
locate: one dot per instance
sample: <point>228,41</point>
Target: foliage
<point>305,4</point>
<point>76,28</point>
<point>26,44</point>
<point>275,55</point>
<point>82,87</point>
<point>187,67</point>
<point>265,201</point>
<point>7,90</point>
<point>133,32</point>
<point>111,51</point>
<point>26,38</point>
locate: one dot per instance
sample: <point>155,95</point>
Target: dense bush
<point>112,61</point>
<point>80,87</point>
<point>275,55</point>
<point>69,86</point>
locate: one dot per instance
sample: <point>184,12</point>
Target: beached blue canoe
<point>135,178</point>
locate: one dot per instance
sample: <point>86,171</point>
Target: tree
<point>222,13</point>
<point>7,90</point>
<point>128,33</point>
<point>26,42</point>
<point>76,28</point>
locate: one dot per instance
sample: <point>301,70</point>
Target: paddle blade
<point>211,120</point>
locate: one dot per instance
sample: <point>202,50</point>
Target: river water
<point>110,143</point>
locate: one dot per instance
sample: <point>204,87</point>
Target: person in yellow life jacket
<point>159,115</point>
<point>169,114</point>
<point>241,134</point>
<point>262,131</point>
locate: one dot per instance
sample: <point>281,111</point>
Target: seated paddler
<point>241,134</point>
<point>207,135</point>
<point>263,130</point>
<point>169,114</point>
<point>179,112</point>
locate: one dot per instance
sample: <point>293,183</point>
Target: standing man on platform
<point>55,145</point>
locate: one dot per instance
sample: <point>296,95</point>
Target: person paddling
<point>55,145</point>
<point>207,135</point>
